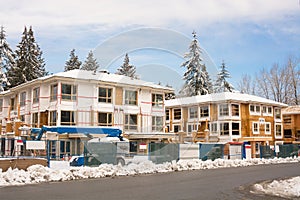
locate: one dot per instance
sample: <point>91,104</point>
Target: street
<point>227,183</point>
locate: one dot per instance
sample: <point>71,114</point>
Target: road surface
<point>227,183</point>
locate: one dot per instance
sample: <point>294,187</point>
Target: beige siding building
<point>226,117</point>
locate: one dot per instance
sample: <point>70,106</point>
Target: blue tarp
<point>109,131</point>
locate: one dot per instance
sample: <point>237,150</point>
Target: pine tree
<point>90,64</point>
<point>7,60</point>
<point>127,69</point>
<point>222,85</point>
<point>196,78</point>
<point>29,62</point>
<point>73,62</point>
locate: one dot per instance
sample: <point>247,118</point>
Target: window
<point>68,92</point>
<point>191,128</point>
<point>53,118</point>
<point>105,95</point>
<point>235,128</point>
<point>177,128</point>
<point>23,99</point>
<point>255,127</point>
<point>277,113</point>
<point>223,110</point>
<point>157,123</point>
<point>267,128</point>
<point>1,105</point>
<point>104,119</point>
<point>224,129</point>
<point>12,104</point>
<point>235,110</point>
<point>157,100</point>
<point>177,114</point>
<point>65,148</point>
<point>214,128</point>
<point>167,114</point>
<point>53,92</point>
<point>193,113</point>
<point>130,97</point>
<point>267,110</point>
<point>255,109</point>
<point>130,122</point>
<point>204,111</point>
<point>36,95</point>
<point>278,130</point>
<point>35,119</point>
<point>287,119</point>
<point>287,133</point>
<point>67,118</point>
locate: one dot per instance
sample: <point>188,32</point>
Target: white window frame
<point>167,115</point>
<point>1,105</point>
<point>256,111</point>
<point>221,129</point>
<point>23,99</point>
<point>231,110</point>
<point>179,130</point>
<point>220,112</point>
<point>128,97</point>
<point>191,127</point>
<point>265,110</point>
<point>155,126</point>
<point>275,132</point>
<point>231,129</point>
<point>277,119</point>
<point>200,111</point>
<point>195,112</point>
<point>270,129</point>
<point>253,128</point>
<point>36,95</point>
<point>173,114</point>
<point>53,92</point>
<point>214,128</point>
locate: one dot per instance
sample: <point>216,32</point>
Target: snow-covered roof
<point>291,110</point>
<point>103,77</point>
<point>219,97</point>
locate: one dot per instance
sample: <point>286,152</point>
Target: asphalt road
<point>228,183</point>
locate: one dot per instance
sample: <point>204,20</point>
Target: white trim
<point>255,112</point>
<point>270,129</point>
<point>281,135</point>
<point>255,132</point>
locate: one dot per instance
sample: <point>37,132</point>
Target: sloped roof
<point>291,110</point>
<point>102,76</point>
<point>219,97</point>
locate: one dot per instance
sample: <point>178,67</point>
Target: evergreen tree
<point>222,85</point>
<point>7,59</point>
<point>127,69</point>
<point>29,62</point>
<point>90,64</point>
<point>73,62</point>
<point>196,78</point>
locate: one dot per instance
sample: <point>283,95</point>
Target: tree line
<point>280,82</point>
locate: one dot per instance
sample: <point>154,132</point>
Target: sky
<point>246,34</point>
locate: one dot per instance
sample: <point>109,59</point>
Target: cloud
<point>53,14</point>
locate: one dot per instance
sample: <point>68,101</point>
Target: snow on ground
<point>61,171</point>
<point>288,188</point>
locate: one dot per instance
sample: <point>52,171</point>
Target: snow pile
<point>38,174</point>
<point>289,188</point>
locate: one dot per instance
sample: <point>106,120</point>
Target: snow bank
<point>289,188</point>
<point>61,171</point>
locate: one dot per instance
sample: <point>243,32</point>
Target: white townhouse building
<point>84,98</point>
